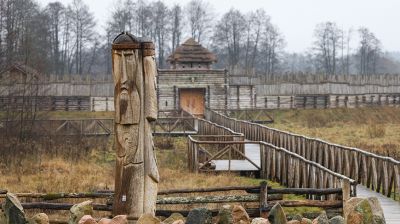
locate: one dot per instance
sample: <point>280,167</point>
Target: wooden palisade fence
<point>379,173</point>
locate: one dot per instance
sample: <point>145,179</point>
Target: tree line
<point>62,39</point>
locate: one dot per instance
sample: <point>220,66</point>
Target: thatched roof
<point>191,51</point>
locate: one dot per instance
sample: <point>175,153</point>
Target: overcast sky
<point>296,19</point>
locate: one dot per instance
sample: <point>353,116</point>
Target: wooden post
<point>346,190</point>
<point>263,199</point>
<point>135,100</point>
<point>175,99</point>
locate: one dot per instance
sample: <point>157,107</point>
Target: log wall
<point>212,81</point>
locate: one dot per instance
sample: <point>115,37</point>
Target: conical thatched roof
<point>191,51</point>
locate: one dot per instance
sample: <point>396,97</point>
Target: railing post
<point>263,199</point>
<point>346,190</point>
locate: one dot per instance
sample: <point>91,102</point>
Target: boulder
<point>240,215</point>
<point>225,215</point>
<point>79,210</point>
<point>349,206</point>
<point>277,215</point>
<point>294,222</point>
<point>105,221</point>
<point>120,219</point>
<point>305,221</point>
<point>87,219</point>
<point>179,222</point>
<point>336,220</point>
<point>199,216</point>
<point>297,217</point>
<point>363,211</point>
<point>14,213</point>
<point>321,219</point>
<point>377,211</point>
<point>173,217</point>
<point>260,221</point>
<point>40,218</point>
<point>148,219</point>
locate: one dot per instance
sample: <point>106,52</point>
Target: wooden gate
<point>192,101</point>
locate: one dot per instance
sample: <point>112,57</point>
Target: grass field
<point>375,129</point>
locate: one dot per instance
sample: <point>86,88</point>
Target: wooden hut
<point>191,83</point>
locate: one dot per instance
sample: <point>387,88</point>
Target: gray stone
<point>321,219</point>
<point>297,217</point>
<point>14,213</point>
<point>337,220</point>
<point>377,211</point>
<point>199,216</point>
<point>277,215</point>
<point>79,210</point>
<point>225,215</point>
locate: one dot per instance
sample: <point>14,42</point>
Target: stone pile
<point>356,211</point>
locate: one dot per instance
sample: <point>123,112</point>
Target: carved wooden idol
<point>134,72</point>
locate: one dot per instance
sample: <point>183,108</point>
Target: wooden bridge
<point>298,161</point>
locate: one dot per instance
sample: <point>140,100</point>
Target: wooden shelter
<point>191,83</point>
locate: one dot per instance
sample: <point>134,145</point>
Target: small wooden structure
<point>191,83</point>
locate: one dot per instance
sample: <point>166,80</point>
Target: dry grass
<point>375,129</point>
<point>96,171</point>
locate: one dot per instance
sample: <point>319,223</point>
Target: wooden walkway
<point>391,208</point>
<point>252,151</point>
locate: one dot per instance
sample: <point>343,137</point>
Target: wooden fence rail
<point>262,198</point>
<point>378,173</point>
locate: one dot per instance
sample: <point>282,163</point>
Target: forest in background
<point>62,39</point>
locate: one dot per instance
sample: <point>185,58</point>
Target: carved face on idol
<point>127,93</point>
<point>126,81</point>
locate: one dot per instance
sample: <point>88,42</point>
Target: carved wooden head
<point>127,72</point>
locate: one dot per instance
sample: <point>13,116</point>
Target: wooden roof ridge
<point>24,68</point>
<point>192,51</point>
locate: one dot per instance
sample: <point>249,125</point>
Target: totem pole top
<point>125,41</point>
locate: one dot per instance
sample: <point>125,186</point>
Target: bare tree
<point>83,29</point>
<point>55,12</point>
<point>229,36</point>
<point>199,16</point>
<point>161,28</point>
<point>326,46</point>
<point>176,26</point>
<point>368,52</point>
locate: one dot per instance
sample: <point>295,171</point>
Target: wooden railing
<point>260,116</point>
<point>64,127</point>
<point>276,163</point>
<point>204,150</point>
<point>378,173</point>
